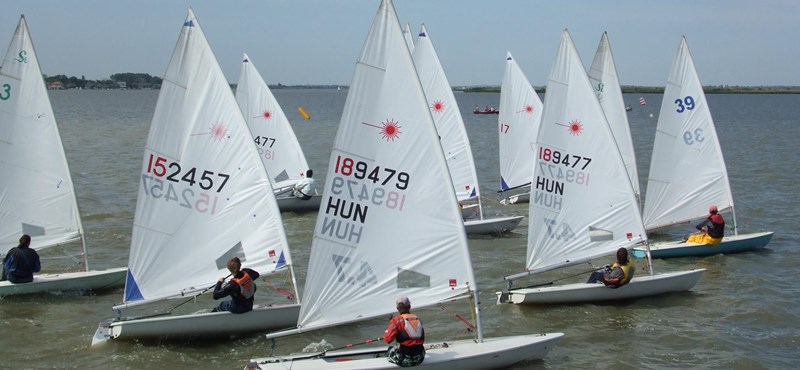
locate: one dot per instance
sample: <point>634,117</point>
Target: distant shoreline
<point>541,90</point>
<point>660,90</point>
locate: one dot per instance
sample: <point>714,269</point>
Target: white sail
<point>37,196</point>
<point>204,195</point>
<point>387,227</point>
<point>409,38</point>
<point>582,204</point>
<point>446,115</point>
<point>604,79</point>
<point>518,121</point>
<point>275,140</point>
<point>687,170</point>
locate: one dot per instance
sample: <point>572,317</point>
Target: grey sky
<point>733,42</point>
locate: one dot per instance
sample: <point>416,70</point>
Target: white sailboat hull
<point>492,353</point>
<point>729,244</point>
<point>517,198</point>
<point>294,204</point>
<point>492,225</point>
<point>639,287</point>
<point>209,324</point>
<point>68,281</point>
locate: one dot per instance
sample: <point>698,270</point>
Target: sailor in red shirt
<point>407,329</point>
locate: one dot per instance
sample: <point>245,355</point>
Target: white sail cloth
<point>582,204</point>
<point>37,196</point>
<point>518,121</point>
<point>687,170</point>
<point>204,195</point>
<point>387,225</point>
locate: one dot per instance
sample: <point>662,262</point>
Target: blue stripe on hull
<point>726,247</point>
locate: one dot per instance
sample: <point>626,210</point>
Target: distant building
<point>55,85</point>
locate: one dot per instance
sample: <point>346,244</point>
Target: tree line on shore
<point>115,81</point>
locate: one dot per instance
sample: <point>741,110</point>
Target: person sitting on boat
<point>21,262</point>
<point>712,229</point>
<point>305,188</point>
<point>616,275</point>
<point>241,288</point>
<point>407,329</point>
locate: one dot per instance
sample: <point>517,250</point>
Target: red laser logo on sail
<point>528,109</point>
<point>575,127</point>
<point>267,115</point>
<point>389,130</point>
<point>438,106</point>
<point>218,132</point>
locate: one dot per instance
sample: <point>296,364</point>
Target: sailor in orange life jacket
<point>713,229</point>
<point>616,275</point>
<point>241,288</point>
<point>407,329</point>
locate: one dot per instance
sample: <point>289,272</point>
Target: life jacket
<point>627,270</point>
<point>412,333</point>
<point>718,226</point>
<point>247,288</point>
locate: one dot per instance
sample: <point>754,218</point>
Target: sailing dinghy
<point>406,237</point>
<point>687,169</point>
<point>518,121</point>
<point>277,144</point>
<point>587,208</point>
<point>204,197</point>
<point>454,140</point>
<point>37,196</point>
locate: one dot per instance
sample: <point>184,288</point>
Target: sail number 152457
<point>173,171</point>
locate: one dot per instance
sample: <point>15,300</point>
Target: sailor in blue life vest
<point>241,288</point>
<point>712,229</point>
<point>21,262</point>
<point>407,329</point>
<point>616,275</point>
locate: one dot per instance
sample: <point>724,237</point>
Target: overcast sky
<point>733,42</point>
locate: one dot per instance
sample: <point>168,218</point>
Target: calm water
<point>743,313</point>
